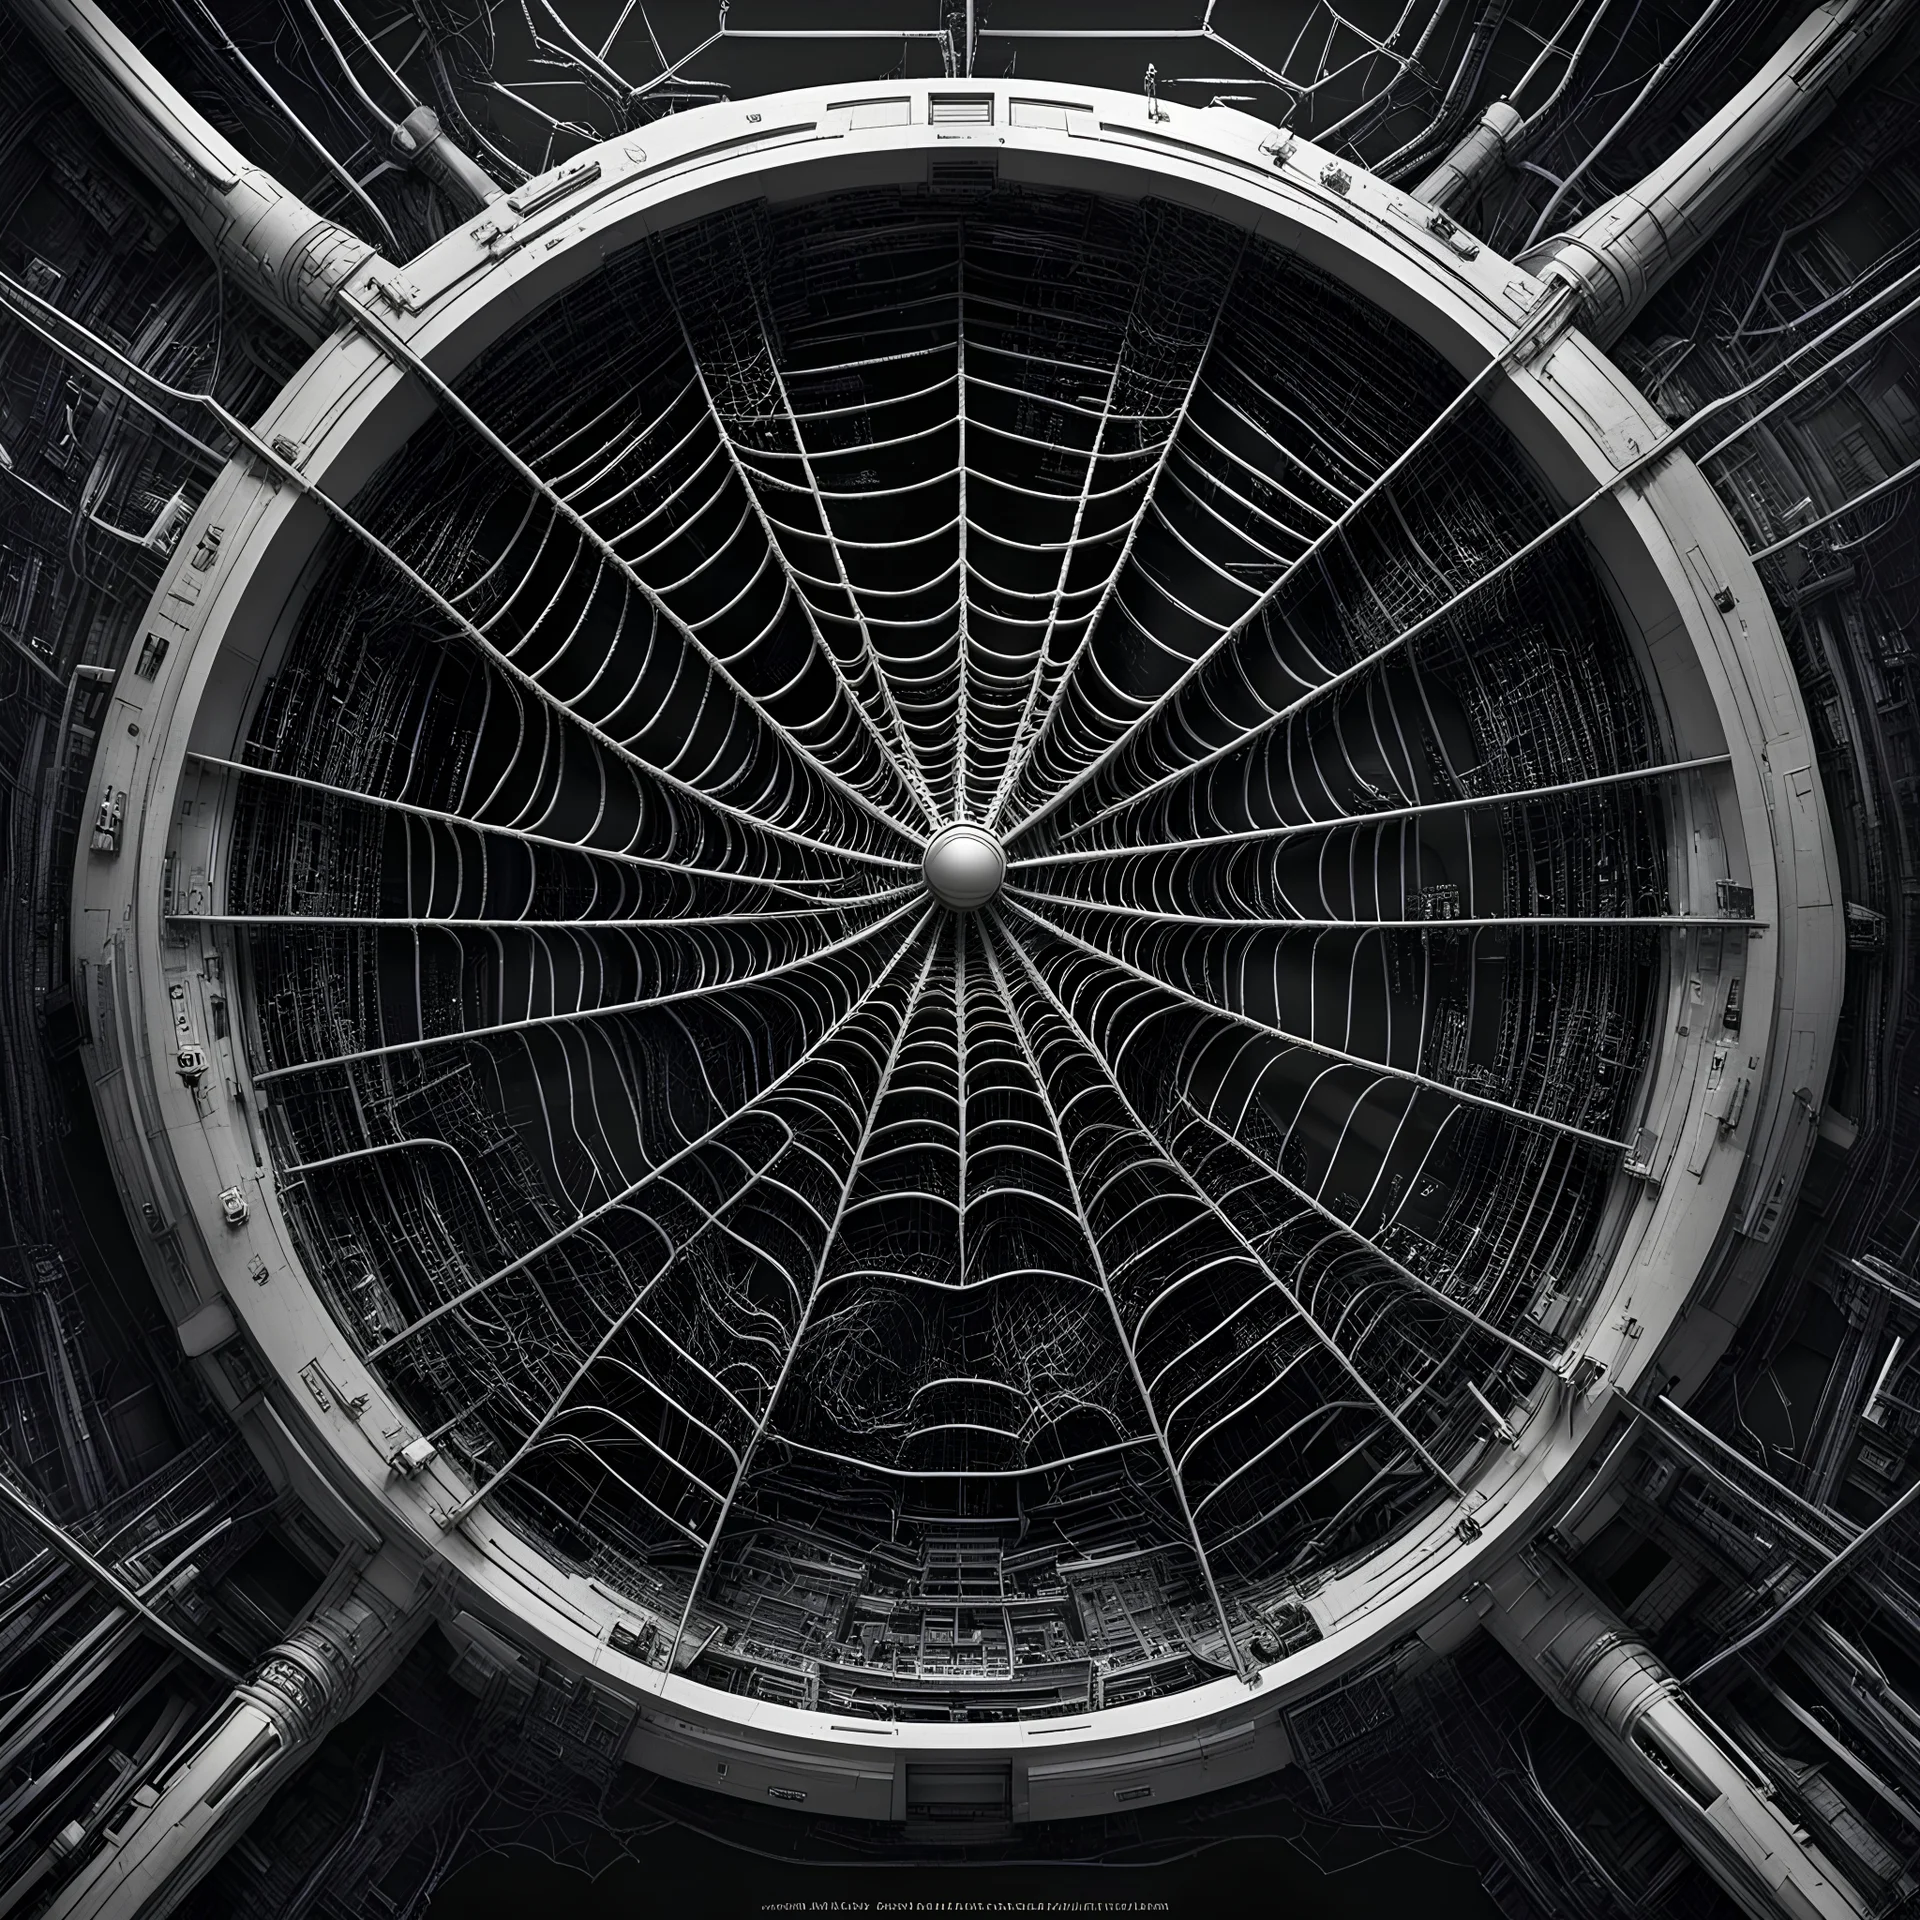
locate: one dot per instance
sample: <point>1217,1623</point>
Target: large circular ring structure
<point>991,899</point>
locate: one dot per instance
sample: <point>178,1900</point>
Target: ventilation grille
<point>961,109</point>
<point>963,177</point>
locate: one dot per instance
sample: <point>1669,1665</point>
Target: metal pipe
<point>287,258</point>
<point>70,1550</point>
<point>1598,1671</point>
<point>1623,252</point>
<point>1475,163</point>
<point>1813,1586</point>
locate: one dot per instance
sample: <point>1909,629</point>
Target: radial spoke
<point>1461,1094</point>
<point>392,344</point>
<point>440,817</point>
<point>964,1157</point>
<point>1465,922</point>
<point>1335,529</point>
<point>1044,645</point>
<point>1094,1254</point>
<point>647,1004</point>
<point>602,924</point>
<point>963,644</point>
<point>828,1241</point>
<point>1298,829</point>
<point>1038,717</point>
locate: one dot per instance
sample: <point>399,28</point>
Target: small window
<point>946,1795</point>
<point>875,113</point>
<point>1046,113</point>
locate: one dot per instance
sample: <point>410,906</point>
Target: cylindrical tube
<point>422,142</point>
<point>1599,1671</point>
<point>1475,164</point>
<point>280,251</point>
<point>1622,253</point>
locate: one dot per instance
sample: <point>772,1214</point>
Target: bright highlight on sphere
<point>964,867</point>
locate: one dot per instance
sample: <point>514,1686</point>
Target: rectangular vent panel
<point>970,1795</point>
<point>961,109</point>
<point>976,177</point>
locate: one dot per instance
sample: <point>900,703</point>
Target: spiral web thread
<point>794,1254</point>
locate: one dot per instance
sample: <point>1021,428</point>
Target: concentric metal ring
<point>718,1200</point>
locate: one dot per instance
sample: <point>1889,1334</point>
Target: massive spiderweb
<point>773,1242</point>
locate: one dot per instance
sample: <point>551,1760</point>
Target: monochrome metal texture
<point>983,1019</point>
<point>964,866</point>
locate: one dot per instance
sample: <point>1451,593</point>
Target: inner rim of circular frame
<point>1181,1209</point>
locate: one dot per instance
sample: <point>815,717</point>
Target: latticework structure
<point>701,1181</point>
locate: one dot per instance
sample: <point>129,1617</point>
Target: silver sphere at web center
<point>964,867</point>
